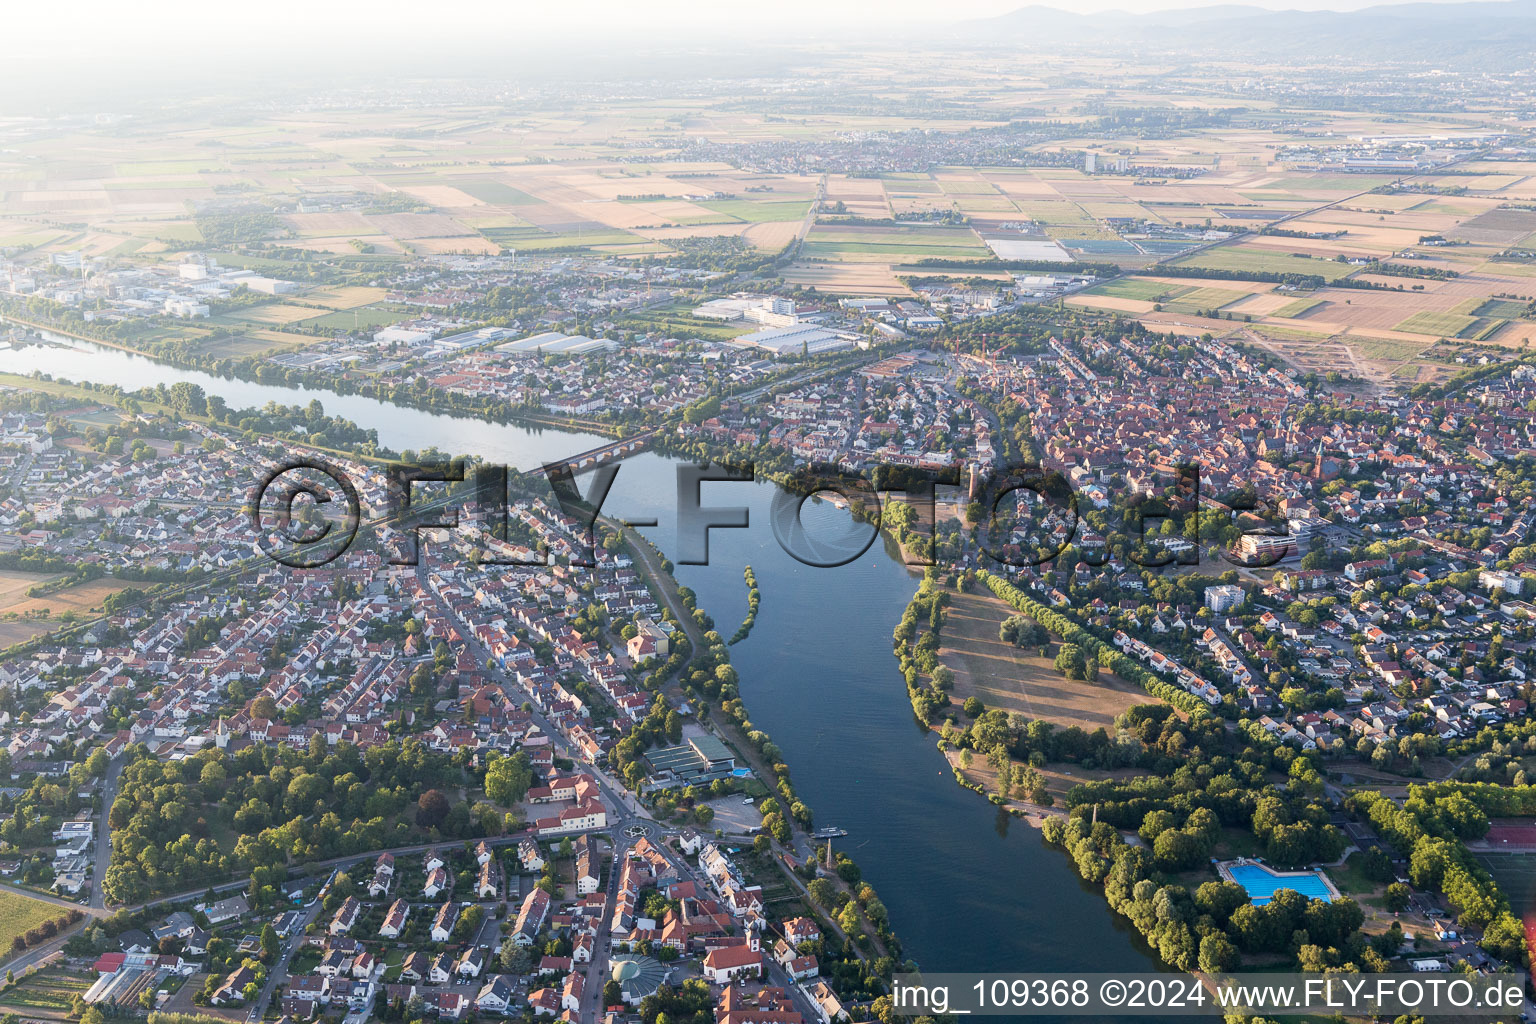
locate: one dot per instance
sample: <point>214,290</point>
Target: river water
<point>967,889</point>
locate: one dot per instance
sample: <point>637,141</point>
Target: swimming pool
<point>1263,883</point>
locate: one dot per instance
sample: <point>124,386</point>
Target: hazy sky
<point>104,54</point>
<point>111,22</point>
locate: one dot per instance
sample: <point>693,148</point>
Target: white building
<point>1223,598</point>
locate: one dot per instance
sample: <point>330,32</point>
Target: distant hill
<point>1492,34</point>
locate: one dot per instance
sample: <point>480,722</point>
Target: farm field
<point>377,190</point>
<point>1246,258</point>
<point>357,317</point>
<point>847,279</point>
<point>1446,325</point>
<point>345,297</point>
<point>1136,288</point>
<point>19,914</point>
<point>851,244</point>
<point>1296,308</point>
<point>44,995</point>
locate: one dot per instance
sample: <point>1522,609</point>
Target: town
<point>450,535</point>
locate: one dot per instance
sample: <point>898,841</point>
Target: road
<point>95,907</point>
<point>622,807</point>
<point>662,586</point>
<point>278,975</point>
<point>103,856</point>
<point>597,971</point>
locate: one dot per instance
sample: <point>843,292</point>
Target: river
<point>968,889</point>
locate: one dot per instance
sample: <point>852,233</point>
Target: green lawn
<point>1351,880</point>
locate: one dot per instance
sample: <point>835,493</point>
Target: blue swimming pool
<point>1262,883</point>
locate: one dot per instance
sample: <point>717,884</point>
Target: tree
<point>848,919</point>
<point>613,993</point>
<point>507,778</point>
<point>1396,897</point>
<point>432,808</point>
<point>269,941</point>
<point>1217,953</point>
<point>1069,661</point>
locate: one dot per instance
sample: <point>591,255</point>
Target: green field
<point>1264,261</point>
<point>1516,875</point>
<point>903,187</point>
<point>1333,183</point>
<point>1483,328</point>
<point>1388,350</point>
<point>364,316</point>
<point>1055,212</point>
<point>969,188</point>
<point>760,213</point>
<point>533,239</point>
<point>682,321</point>
<point>150,168</point>
<point>241,347</point>
<point>19,914</point>
<point>1504,309</point>
<point>1204,298</point>
<point>1446,325</point>
<point>125,186</point>
<point>911,235</point>
<point>1135,288</point>
<point>498,193</point>
<point>901,243</point>
<point>1296,307</point>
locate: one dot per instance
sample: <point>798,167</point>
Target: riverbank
<point>817,676</point>
<point>248,371</point>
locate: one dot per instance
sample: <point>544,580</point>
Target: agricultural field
<point>344,297</point>
<point>357,318</point>
<point>1446,325</point>
<point>847,279</point>
<point>859,244</point>
<point>1296,308</point>
<point>1136,288</point>
<point>45,995</point>
<point>20,914</point>
<point>624,182</point>
<point>274,313</point>
<point>1259,260</point>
